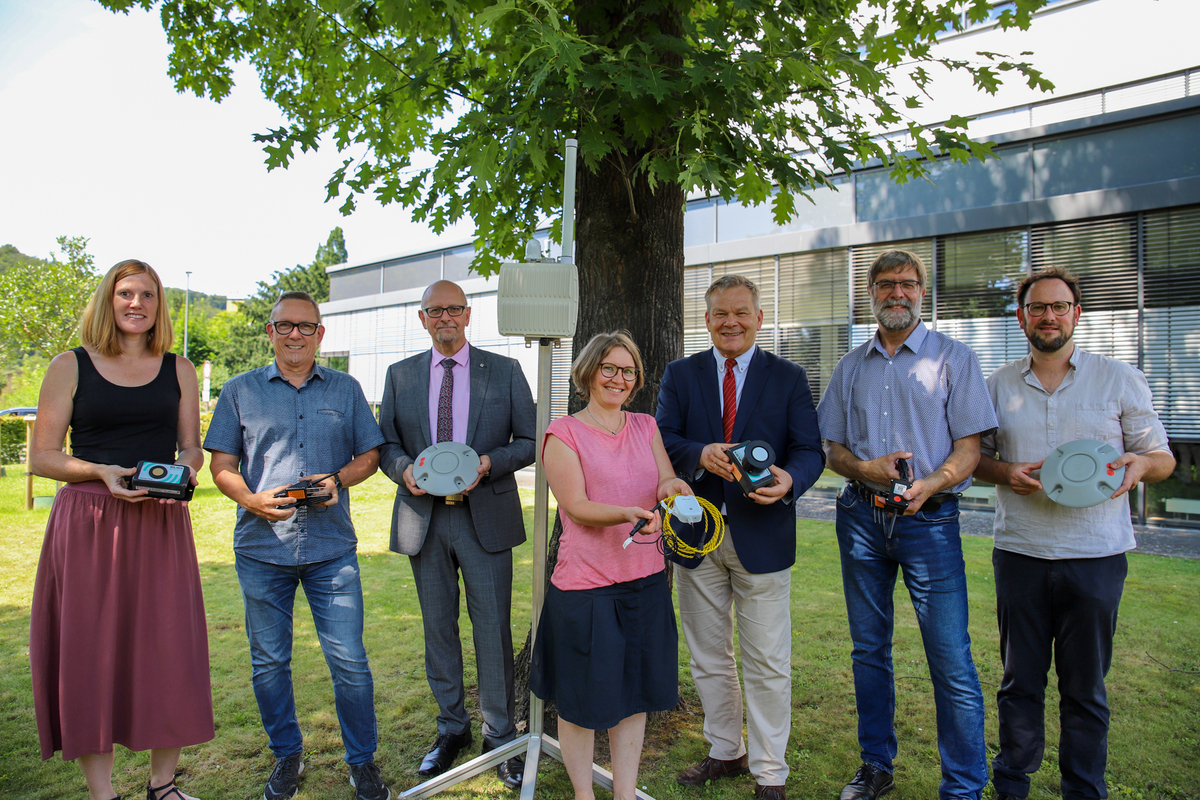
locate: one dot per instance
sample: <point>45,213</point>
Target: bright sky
<point>95,142</point>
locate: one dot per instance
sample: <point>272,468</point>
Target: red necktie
<point>730,391</point>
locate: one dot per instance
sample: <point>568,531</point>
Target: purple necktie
<point>445,431</point>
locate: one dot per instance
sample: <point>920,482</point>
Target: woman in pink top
<point>607,649</point>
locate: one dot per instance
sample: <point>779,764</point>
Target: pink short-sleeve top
<point>619,470</point>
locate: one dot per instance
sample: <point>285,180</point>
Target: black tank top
<point>123,425</point>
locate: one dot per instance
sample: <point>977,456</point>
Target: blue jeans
<point>928,548</point>
<point>334,594</point>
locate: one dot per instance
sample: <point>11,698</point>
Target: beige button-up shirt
<point>1100,398</point>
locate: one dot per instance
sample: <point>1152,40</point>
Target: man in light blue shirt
<point>274,426</point>
<point>915,395</point>
<point>1060,571</point>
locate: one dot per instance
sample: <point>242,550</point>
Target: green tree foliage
<point>10,256</point>
<point>196,322</point>
<point>665,97</point>
<point>41,302</point>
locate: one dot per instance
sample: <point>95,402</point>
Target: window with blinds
<point>974,288</point>
<point>1102,252</point>
<point>814,312</point>
<point>561,387</point>
<point>1171,319</point>
<point>977,274</point>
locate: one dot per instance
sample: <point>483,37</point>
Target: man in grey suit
<point>459,393</point>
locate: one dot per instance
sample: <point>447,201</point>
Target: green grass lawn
<point>1154,686</point>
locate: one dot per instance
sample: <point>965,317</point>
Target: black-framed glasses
<point>283,327</point>
<point>436,311</point>
<point>887,287</point>
<point>610,371</point>
<point>1060,309</point>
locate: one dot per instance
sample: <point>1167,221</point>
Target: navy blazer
<point>776,407</point>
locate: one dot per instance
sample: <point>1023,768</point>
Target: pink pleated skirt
<point>118,645</point>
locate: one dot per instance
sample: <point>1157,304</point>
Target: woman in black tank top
<point>111,555</point>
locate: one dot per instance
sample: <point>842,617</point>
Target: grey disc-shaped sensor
<point>1077,474</point>
<point>446,468</point>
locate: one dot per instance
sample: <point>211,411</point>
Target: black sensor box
<point>162,480</point>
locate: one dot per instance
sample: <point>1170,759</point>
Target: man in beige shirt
<point>1060,571</point>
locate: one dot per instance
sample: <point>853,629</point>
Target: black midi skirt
<point>606,654</point>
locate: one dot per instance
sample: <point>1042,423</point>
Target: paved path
<point>1178,542</point>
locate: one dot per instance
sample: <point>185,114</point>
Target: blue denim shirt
<point>281,434</point>
<point>921,400</point>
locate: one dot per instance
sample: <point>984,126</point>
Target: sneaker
<point>367,783</point>
<point>285,778</point>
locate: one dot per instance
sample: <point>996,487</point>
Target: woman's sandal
<point>152,791</point>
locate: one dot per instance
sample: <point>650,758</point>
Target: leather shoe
<point>712,769</point>
<point>769,792</point>
<point>869,783</point>
<point>445,749</point>
<point>510,772</point>
<point>1007,796</point>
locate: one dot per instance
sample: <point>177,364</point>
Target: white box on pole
<point>538,300</point>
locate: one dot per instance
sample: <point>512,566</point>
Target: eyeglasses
<point>888,286</point>
<point>283,327</point>
<point>436,311</point>
<point>1037,309</point>
<point>610,371</point>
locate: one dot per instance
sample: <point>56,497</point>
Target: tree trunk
<point>630,256</point>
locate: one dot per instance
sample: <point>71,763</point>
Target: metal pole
<point>187,306</point>
<point>29,462</point>
<point>568,226</point>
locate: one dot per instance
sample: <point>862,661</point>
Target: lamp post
<point>187,307</point>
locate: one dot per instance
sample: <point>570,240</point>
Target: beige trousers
<point>709,596</point>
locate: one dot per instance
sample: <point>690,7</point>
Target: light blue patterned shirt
<point>920,401</point>
<point>281,434</point>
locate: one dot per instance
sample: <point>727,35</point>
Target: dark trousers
<point>1067,609</point>
<point>451,547</point>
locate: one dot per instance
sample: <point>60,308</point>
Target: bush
<point>12,440</point>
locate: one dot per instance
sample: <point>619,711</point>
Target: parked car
<point>18,411</point>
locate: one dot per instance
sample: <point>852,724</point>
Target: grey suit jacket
<point>501,424</point>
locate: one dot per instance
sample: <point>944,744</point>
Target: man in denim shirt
<point>913,394</point>
<point>274,426</point>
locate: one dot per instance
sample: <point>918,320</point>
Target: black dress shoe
<point>511,772</point>
<point>445,749</point>
<point>869,783</point>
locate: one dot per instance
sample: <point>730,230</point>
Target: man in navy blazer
<point>732,393</point>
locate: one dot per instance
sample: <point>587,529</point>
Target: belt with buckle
<point>455,499</point>
<point>867,492</point>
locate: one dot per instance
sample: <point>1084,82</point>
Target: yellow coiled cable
<point>714,531</point>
